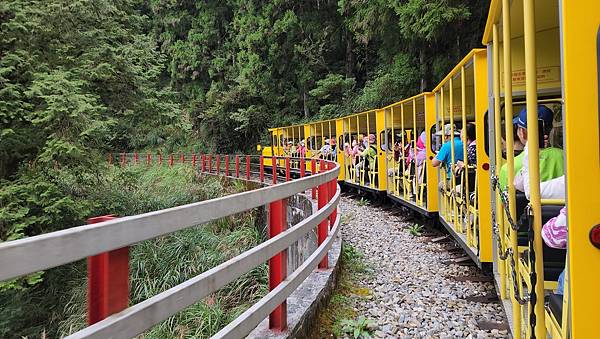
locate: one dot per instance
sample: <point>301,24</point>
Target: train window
<point>436,141</point>
<point>384,139</point>
<point>310,143</point>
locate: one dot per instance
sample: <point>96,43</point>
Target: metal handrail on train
<point>25,256</point>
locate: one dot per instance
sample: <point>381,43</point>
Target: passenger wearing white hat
<point>368,156</point>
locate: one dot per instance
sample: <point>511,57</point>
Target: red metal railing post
<point>194,160</point>
<point>136,158</point>
<point>262,169</point>
<point>313,171</point>
<point>171,160</point>
<point>148,159</point>
<point>108,281</point>
<point>322,229</point>
<point>160,159</point>
<point>274,166</point>
<point>332,191</point>
<point>182,158</point>
<point>278,263</point>
<point>247,167</point>
<point>226,165</point>
<point>237,165</point>
<point>210,163</point>
<point>302,168</point>
<point>218,163</point>
<point>287,169</point>
<point>203,160</point>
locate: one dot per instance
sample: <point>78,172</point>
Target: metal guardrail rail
<point>25,256</point>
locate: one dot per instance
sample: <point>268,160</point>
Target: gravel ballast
<point>413,294</point>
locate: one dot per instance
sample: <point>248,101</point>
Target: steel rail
<point>24,256</point>
<point>142,316</point>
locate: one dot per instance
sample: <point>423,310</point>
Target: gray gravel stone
<point>411,294</point>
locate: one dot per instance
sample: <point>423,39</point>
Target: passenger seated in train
<point>347,150</point>
<point>287,148</point>
<point>368,157</point>
<point>397,158</point>
<point>301,149</point>
<point>324,152</point>
<point>333,150</point>
<point>444,156</point>
<point>354,151</point>
<point>554,232</point>
<point>419,159</point>
<point>517,145</point>
<point>551,158</point>
<point>471,158</point>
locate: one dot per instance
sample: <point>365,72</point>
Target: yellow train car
<point>322,142</point>
<point>318,140</point>
<point>544,62</point>
<point>461,105</point>
<point>365,168</point>
<point>411,180</point>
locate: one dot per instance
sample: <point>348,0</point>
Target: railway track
<point>416,289</point>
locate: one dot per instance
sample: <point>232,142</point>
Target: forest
<point>81,78</point>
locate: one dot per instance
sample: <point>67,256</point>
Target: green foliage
<point>333,317</point>
<point>415,230</point>
<point>54,301</point>
<point>362,202</point>
<point>390,84</point>
<point>359,328</point>
<point>79,77</point>
<point>242,67</point>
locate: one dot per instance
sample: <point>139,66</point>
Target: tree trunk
<point>349,45</point>
<point>423,68</point>
<point>349,56</point>
<point>305,100</point>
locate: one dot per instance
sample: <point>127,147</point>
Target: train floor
<point>416,290</point>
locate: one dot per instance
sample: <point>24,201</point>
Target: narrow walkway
<point>413,293</point>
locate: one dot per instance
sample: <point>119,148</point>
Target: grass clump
<point>359,328</point>
<point>415,230</point>
<point>336,317</point>
<point>362,202</point>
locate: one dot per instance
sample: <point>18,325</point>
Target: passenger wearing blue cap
<point>551,158</point>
